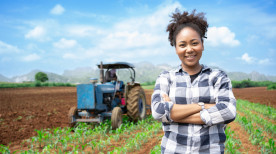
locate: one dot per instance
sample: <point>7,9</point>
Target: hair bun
<point>179,21</point>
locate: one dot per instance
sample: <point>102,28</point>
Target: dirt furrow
<point>243,136</point>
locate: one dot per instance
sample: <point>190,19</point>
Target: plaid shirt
<point>211,86</point>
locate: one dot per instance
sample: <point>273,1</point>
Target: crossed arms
<point>223,111</point>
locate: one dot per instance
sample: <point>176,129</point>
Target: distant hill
<point>81,75</point>
<point>145,72</point>
<point>4,79</point>
<point>31,77</point>
<point>254,76</point>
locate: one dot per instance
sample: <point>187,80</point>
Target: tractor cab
<point>109,74</point>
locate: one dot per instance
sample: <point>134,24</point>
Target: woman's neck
<point>192,70</point>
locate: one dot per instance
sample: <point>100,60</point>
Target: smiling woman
<point>193,101</point>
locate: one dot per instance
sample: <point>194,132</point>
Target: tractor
<point>109,98</point>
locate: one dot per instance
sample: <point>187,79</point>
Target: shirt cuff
<point>205,117</point>
<point>168,108</point>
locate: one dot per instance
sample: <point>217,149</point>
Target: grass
<point>148,87</point>
<point>34,84</point>
<point>271,87</point>
<point>249,83</point>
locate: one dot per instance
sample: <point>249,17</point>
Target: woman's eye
<point>182,45</point>
<point>195,43</point>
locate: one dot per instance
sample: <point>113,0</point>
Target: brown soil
<point>257,95</point>
<point>146,148</point>
<point>23,110</point>
<point>246,146</point>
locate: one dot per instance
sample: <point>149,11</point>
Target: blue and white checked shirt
<point>211,86</point>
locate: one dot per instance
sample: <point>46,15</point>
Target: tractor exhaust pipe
<point>101,73</point>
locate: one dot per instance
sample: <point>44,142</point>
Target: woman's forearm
<point>189,113</point>
<point>192,119</point>
<point>180,111</point>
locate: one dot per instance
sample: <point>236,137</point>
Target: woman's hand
<point>166,98</point>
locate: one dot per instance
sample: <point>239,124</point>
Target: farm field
<point>24,110</point>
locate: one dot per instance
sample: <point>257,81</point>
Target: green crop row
<point>265,110</point>
<point>156,149</point>
<point>256,135</point>
<point>34,84</point>
<point>232,144</point>
<point>266,125</point>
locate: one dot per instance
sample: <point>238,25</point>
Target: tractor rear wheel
<point>116,118</point>
<point>136,103</point>
<point>72,115</point>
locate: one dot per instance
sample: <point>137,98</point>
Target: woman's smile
<point>190,57</point>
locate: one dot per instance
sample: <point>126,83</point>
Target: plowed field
<point>22,110</point>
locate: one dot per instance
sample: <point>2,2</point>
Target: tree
<point>40,76</point>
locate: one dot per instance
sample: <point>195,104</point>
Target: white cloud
<point>31,57</point>
<point>129,38</point>
<point>146,32</point>
<point>7,48</point>
<point>245,57</point>
<point>64,43</point>
<point>252,60</point>
<point>217,36</point>
<point>37,33</point>
<point>264,61</point>
<point>57,10</point>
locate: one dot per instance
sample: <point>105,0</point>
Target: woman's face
<point>189,47</point>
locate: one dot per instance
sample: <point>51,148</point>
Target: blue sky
<point>54,36</point>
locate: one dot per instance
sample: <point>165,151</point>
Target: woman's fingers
<point>166,97</point>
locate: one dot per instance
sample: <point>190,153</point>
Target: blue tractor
<point>109,98</point>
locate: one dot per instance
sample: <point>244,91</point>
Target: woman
<point>194,102</point>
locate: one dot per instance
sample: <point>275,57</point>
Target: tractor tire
<point>72,115</point>
<point>136,103</point>
<point>116,118</point>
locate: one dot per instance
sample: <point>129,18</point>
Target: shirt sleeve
<point>225,109</point>
<point>161,109</point>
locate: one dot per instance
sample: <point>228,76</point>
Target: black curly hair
<point>179,21</point>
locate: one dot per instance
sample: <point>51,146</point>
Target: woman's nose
<point>189,49</point>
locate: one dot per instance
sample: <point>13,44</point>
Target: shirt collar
<point>204,68</point>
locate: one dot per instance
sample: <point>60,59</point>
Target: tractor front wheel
<point>116,118</point>
<point>136,103</point>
